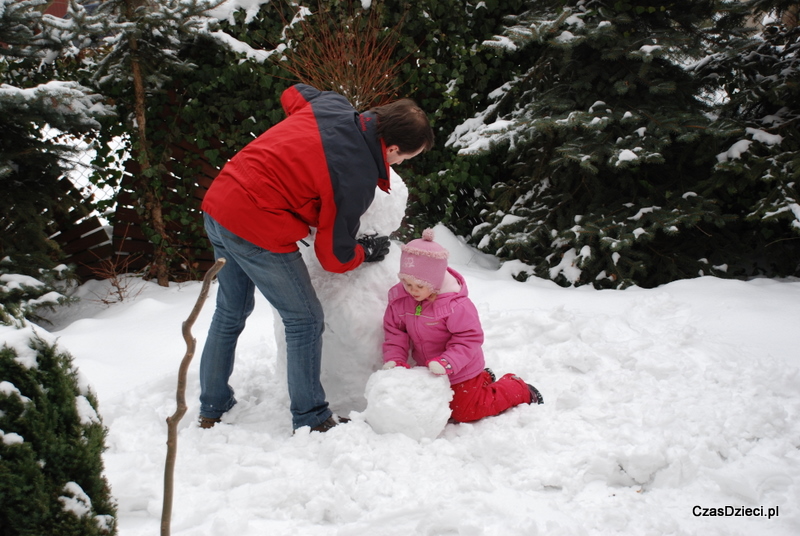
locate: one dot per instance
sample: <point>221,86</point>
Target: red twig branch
<point>350,53</point>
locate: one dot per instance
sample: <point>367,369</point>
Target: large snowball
<point>413,402</point>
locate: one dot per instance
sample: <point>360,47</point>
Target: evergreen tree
<point>608,137</point>
<point>142,56</point>
<point>757,175</point>
<point>51,440</point>
<point>26,289</point>
<point>450,71</point>
<point>51,437</point>
<point>206,84</point>
<point>35,95</point>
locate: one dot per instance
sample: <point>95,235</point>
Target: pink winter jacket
<point>447,327</point>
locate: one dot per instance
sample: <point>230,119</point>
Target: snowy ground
<point>658,404</point>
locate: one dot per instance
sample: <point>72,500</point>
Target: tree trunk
<point>152,202</point>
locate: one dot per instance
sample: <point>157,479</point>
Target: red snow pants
<point>480,397</point>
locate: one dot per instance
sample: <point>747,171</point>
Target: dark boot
<point>207,422</point>
<point>536,396</point>
<point>491,374</point>
<point>329,423</point>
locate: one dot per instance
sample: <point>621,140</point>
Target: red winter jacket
<point>316,168</point>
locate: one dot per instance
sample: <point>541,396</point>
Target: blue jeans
<point>283,279</point>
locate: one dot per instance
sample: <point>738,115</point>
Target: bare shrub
<point>349,52</point>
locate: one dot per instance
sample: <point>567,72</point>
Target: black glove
<point>375,247</point>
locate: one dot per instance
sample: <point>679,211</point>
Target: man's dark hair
<point>404,124</point>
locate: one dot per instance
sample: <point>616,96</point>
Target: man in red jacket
<point>317,168</point>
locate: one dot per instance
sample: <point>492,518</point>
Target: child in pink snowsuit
<point>430,314</point>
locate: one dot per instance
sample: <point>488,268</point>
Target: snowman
<point>354,303</point>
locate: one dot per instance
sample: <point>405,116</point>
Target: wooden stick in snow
<point>172,421</point>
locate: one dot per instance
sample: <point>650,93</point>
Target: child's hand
<point>391,364</point>
<point>440,367</point>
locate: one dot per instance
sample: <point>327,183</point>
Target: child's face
<point>418,291</point>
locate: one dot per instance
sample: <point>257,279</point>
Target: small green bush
<point>51,440</point>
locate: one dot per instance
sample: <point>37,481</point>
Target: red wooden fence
<point>97,251</point>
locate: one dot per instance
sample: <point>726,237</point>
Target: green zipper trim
<point>419,310</point>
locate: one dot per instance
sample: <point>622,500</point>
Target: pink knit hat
<point>423,261</point>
